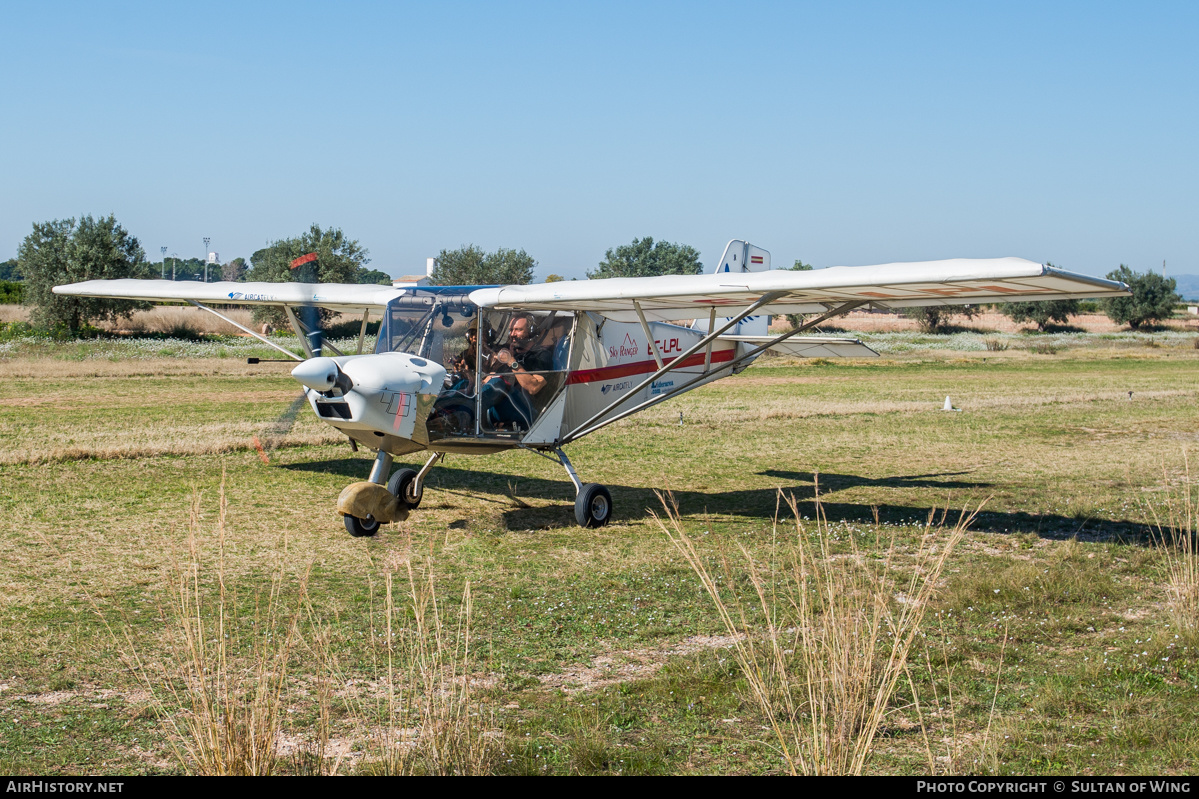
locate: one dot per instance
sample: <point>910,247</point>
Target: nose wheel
<point>361,528</point>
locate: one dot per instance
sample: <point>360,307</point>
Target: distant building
<point>417,280</point>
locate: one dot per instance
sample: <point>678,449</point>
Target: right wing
<point>960,281</point>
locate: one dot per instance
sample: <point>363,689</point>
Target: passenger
<point>454,412</point>
<point>465,364</point>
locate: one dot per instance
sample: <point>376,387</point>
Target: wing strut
<point>586,426</point>
<point>708,351</point>
<point>298,329</point>
<point>653,345</point>
<point>366,315</point>
<point>590,426</point>
<point>263,339</point>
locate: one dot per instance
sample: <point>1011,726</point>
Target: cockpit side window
<point>523,361</point>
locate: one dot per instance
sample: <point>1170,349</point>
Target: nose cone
<point>319,374</point>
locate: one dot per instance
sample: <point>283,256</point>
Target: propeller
<point>305,269</point>
<point>274,433</point>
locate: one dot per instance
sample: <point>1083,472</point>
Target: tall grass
<point>221,690</point>
<point>957,752</point>
<point>821,638</point>
<point>1176,530</point>
<point>225,688</point>
<point>435,723</point>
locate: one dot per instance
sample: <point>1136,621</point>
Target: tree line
<point>1153,300</point>
<point>69,251</point>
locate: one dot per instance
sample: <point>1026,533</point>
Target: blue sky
<point>846,133</point>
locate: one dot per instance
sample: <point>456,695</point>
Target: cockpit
<point>504,368</point>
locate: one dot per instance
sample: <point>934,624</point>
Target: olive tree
<point>69,251</point>
<point>340,259</point>
<point>646,258</point>
<point>471,266</point>
<point>1153,298</point>
<point>1041,313</point>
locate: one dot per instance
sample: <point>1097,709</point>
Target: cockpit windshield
<point>429,323</point>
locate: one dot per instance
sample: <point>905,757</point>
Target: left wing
<point>954,282</point>
<point>344,297</point>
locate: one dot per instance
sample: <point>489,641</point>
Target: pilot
<point>525,359</point>
<point>507,396</point>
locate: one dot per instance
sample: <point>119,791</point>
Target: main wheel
<point>401,486</point>
<point>593,506</point>
<point>361,528</point>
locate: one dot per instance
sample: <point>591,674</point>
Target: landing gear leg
<point>381,468</point>
<point>360,528</point>
<point>409,485</point>
<point>593,502</point>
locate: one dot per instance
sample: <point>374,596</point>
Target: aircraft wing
<point>954,282</point>
<point>344,297</point>
<point>811,346</point>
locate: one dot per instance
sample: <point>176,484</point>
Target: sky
<point>836,133</point>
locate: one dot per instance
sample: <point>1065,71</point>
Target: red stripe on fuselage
<point>642,367</point>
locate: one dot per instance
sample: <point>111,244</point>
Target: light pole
<point>206,240</point>
<point>163,250</point>
<point>174,262</point>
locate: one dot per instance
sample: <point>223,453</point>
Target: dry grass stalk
<point>1177,532</point>
<point>223,708</point>
<point>963,755</point>
<point>435,724</point>
<point>182,322</point>
<point>837,634</point>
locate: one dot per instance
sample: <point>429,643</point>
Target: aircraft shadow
<point>634,502</point>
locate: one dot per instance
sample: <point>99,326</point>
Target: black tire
<point>593,506</point>
<point>400,485</point>
<point>361,528</point>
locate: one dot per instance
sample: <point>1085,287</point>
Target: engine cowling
<point>382,400</point>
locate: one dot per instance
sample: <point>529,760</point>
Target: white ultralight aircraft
<point>475,370</point>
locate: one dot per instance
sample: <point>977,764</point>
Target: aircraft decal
<point>627,349</point>
<point>755,259</point>
<point>953,292</point>
<point>1021,290</point>
<point>642,367</point>
<point>622,386</point>
<point>398,403</point>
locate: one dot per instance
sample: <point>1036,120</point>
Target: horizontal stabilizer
<point>810,346</point>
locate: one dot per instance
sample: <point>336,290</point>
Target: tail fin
<point>741,256</point>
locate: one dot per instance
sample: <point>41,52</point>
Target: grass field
<point>1049,646</point>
